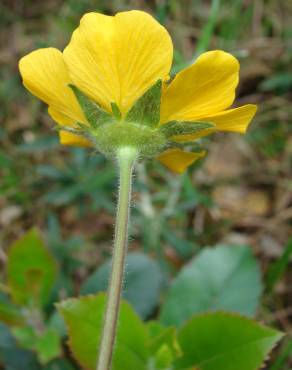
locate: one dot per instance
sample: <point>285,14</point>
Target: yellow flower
<point>117,59</point>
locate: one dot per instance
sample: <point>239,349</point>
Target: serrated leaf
<point>31,270</point>
<point>94,114</point>
<point>146,110</point>
<point>46,344</point>
<point>225,277</point>
<point>176,128</point>
<point>143,282</point>
<point>221,341</point>
<point>84,320</point>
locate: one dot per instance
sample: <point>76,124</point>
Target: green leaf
<point>94,114</point>
<point>25,337</point>
<point>278,268</point>
<point>46,344</point>
<point>162,345</point>
<point>57,323</point>
<point>146,110</point>
<point>219,341</point>
<point>163,358</point>
<point>59,364</point>
<point>10,314</point>
<point>224,277</point>
<point>84,320</point>
<point>176,128</point>
<point>18,359</point>
<point>31,270</point>
<point>160,336</point>
<point>6,338</point>
<point>143,282</point>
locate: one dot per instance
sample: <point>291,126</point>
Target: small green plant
<point>217,296</point>
<point>31,275</point>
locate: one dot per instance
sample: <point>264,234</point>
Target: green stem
<point>126,158</point>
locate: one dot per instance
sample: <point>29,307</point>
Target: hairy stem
<point>126,158</point>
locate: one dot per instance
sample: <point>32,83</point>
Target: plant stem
<point>126,158</point>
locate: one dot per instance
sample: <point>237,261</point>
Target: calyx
<point>139,128</point>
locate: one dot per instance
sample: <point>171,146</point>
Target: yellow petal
<point>116,59</point>
<point>177,160</point>
<point>60,118</point>
<point>206,87</point>
<point>234,120</point>
<point>45,75</point>
<point>66,138</point>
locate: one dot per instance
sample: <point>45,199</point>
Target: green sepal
<point>83,128</point>
<point>193,146</point>
<point>146,110</point>
<point>94,114</point>
<point>81,131</point>
<point>176,128</point>
<point>116,111</point>
<point>71,130</point>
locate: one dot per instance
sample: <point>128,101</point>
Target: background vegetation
<point>241,194</point>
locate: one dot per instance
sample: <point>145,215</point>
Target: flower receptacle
<point>110,138</point>
<point>139,128</point>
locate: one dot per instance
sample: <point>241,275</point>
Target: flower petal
<point>177,160</point>
<point>60,118</point>
<point>45,75</point>
<point>234,120</point>
<point>66,138</point>
<point>116,59</point>
<point>206,87</point>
